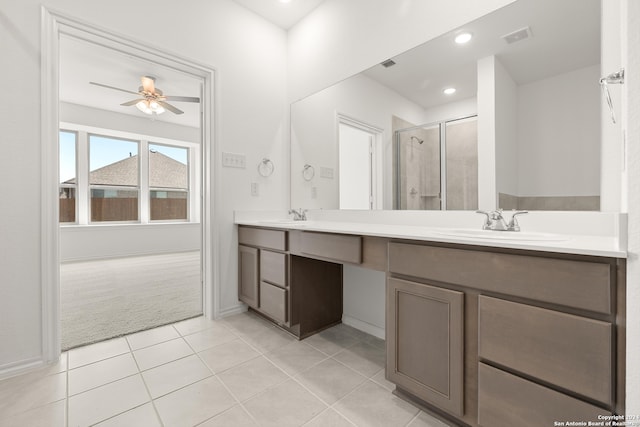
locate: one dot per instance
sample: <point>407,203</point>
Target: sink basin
<point>502,235</point>
<point>284,223</point>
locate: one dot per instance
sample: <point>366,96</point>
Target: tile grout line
<point>213,374</point>
<point>146,387</point>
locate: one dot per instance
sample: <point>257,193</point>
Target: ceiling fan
<point>152,100</point>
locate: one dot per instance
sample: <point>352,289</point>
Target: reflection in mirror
<point>437,165</point>
<point>532,87</point>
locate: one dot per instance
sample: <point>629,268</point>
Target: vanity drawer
<point>505,400</point>
<point>272,239</point>
<point>579,284</point>
<point>273,301</point>
<point>569,351</point>
<point>338,247</point>
<point>273,267</point>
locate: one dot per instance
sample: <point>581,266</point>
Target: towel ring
<point>308,172</point>
<point>265,167</point>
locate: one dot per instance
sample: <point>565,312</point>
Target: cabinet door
<point>425,350</point>
<point>248,275</point>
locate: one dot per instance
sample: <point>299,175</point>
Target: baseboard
<point>21,367</point>
<point>230,311</point>
<point>374,330</point>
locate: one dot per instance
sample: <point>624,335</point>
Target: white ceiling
<point>82,62</point>
<point>284,15</point>
<point>566,36</point>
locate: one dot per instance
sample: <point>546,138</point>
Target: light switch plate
<point>326,172</point>
<point>234,160</point>
<point>255,189</point>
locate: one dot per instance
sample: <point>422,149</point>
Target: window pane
<point>168,167</point>
<point>67,155</point>
<point>114,204</point>
<point>113,161</point>
<point>67,197</point>
<point>166,205</point>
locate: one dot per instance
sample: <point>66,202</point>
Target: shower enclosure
<point>437,166</point>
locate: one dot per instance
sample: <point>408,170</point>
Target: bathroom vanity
<point>484,333</point>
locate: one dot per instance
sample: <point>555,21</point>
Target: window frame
<point>138,188</point>
<point>73,186</point>
<point>190,180</point>
<point>83,188</point>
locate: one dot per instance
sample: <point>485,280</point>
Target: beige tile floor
<point>238,371</point>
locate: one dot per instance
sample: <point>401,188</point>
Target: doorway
<point>358,172</point>
<point>158,213</point>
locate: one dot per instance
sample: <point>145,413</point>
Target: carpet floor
<point>102,299</point>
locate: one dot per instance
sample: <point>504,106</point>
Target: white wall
<point>363,305</point>
<point>95,117</point>
<point>506,131</point>
<point>249,55</point>
<point>81,243</point>
<point>559,125</point>
<point>452,110</point>
<point>487,133</point>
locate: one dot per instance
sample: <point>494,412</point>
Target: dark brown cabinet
<point>425,342</point>
<point>301,295</point>
<point>493,337</point>
<point>248,278</point>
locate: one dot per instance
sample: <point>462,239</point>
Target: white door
<point>356,150</point>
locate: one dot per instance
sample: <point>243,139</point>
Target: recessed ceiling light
<point>449,91</point>
<point>463,38</point>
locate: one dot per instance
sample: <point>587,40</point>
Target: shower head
<point>420,141</point>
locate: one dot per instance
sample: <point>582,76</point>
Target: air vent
<point>518,35</point>
<point>388,63</point>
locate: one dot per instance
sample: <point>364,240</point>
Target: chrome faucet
<point>299,215</point>
<point>495,221</point>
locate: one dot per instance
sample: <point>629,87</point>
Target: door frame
<point>376,156</point>
<point>53,24</point>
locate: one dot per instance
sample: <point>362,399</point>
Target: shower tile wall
<point>420,167</point>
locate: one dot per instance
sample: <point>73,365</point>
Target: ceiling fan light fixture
<point>144,107</point>
<point>150,107</point>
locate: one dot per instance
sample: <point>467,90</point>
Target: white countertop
<point>595,245</point>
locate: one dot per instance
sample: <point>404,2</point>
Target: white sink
<point>502,235</point>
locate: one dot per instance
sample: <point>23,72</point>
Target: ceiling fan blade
<point>148,84</point>
<point>170,107</point>
<point>182,98</point>
<point>114,88</point>
<point>130,103</point>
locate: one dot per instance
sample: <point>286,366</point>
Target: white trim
<point>20,367</point>
<point>53,24</point>
<point>49,230</point>
<point>374,330</point>
<point>230,311</point>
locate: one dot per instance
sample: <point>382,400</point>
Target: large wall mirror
<point>522,130</point>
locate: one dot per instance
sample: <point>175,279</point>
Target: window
<point>168,182</point>
<point>114,179</point>
<point>67,179</point>
<point>117,177</point>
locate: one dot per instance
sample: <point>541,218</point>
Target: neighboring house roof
<point>164,172</point>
